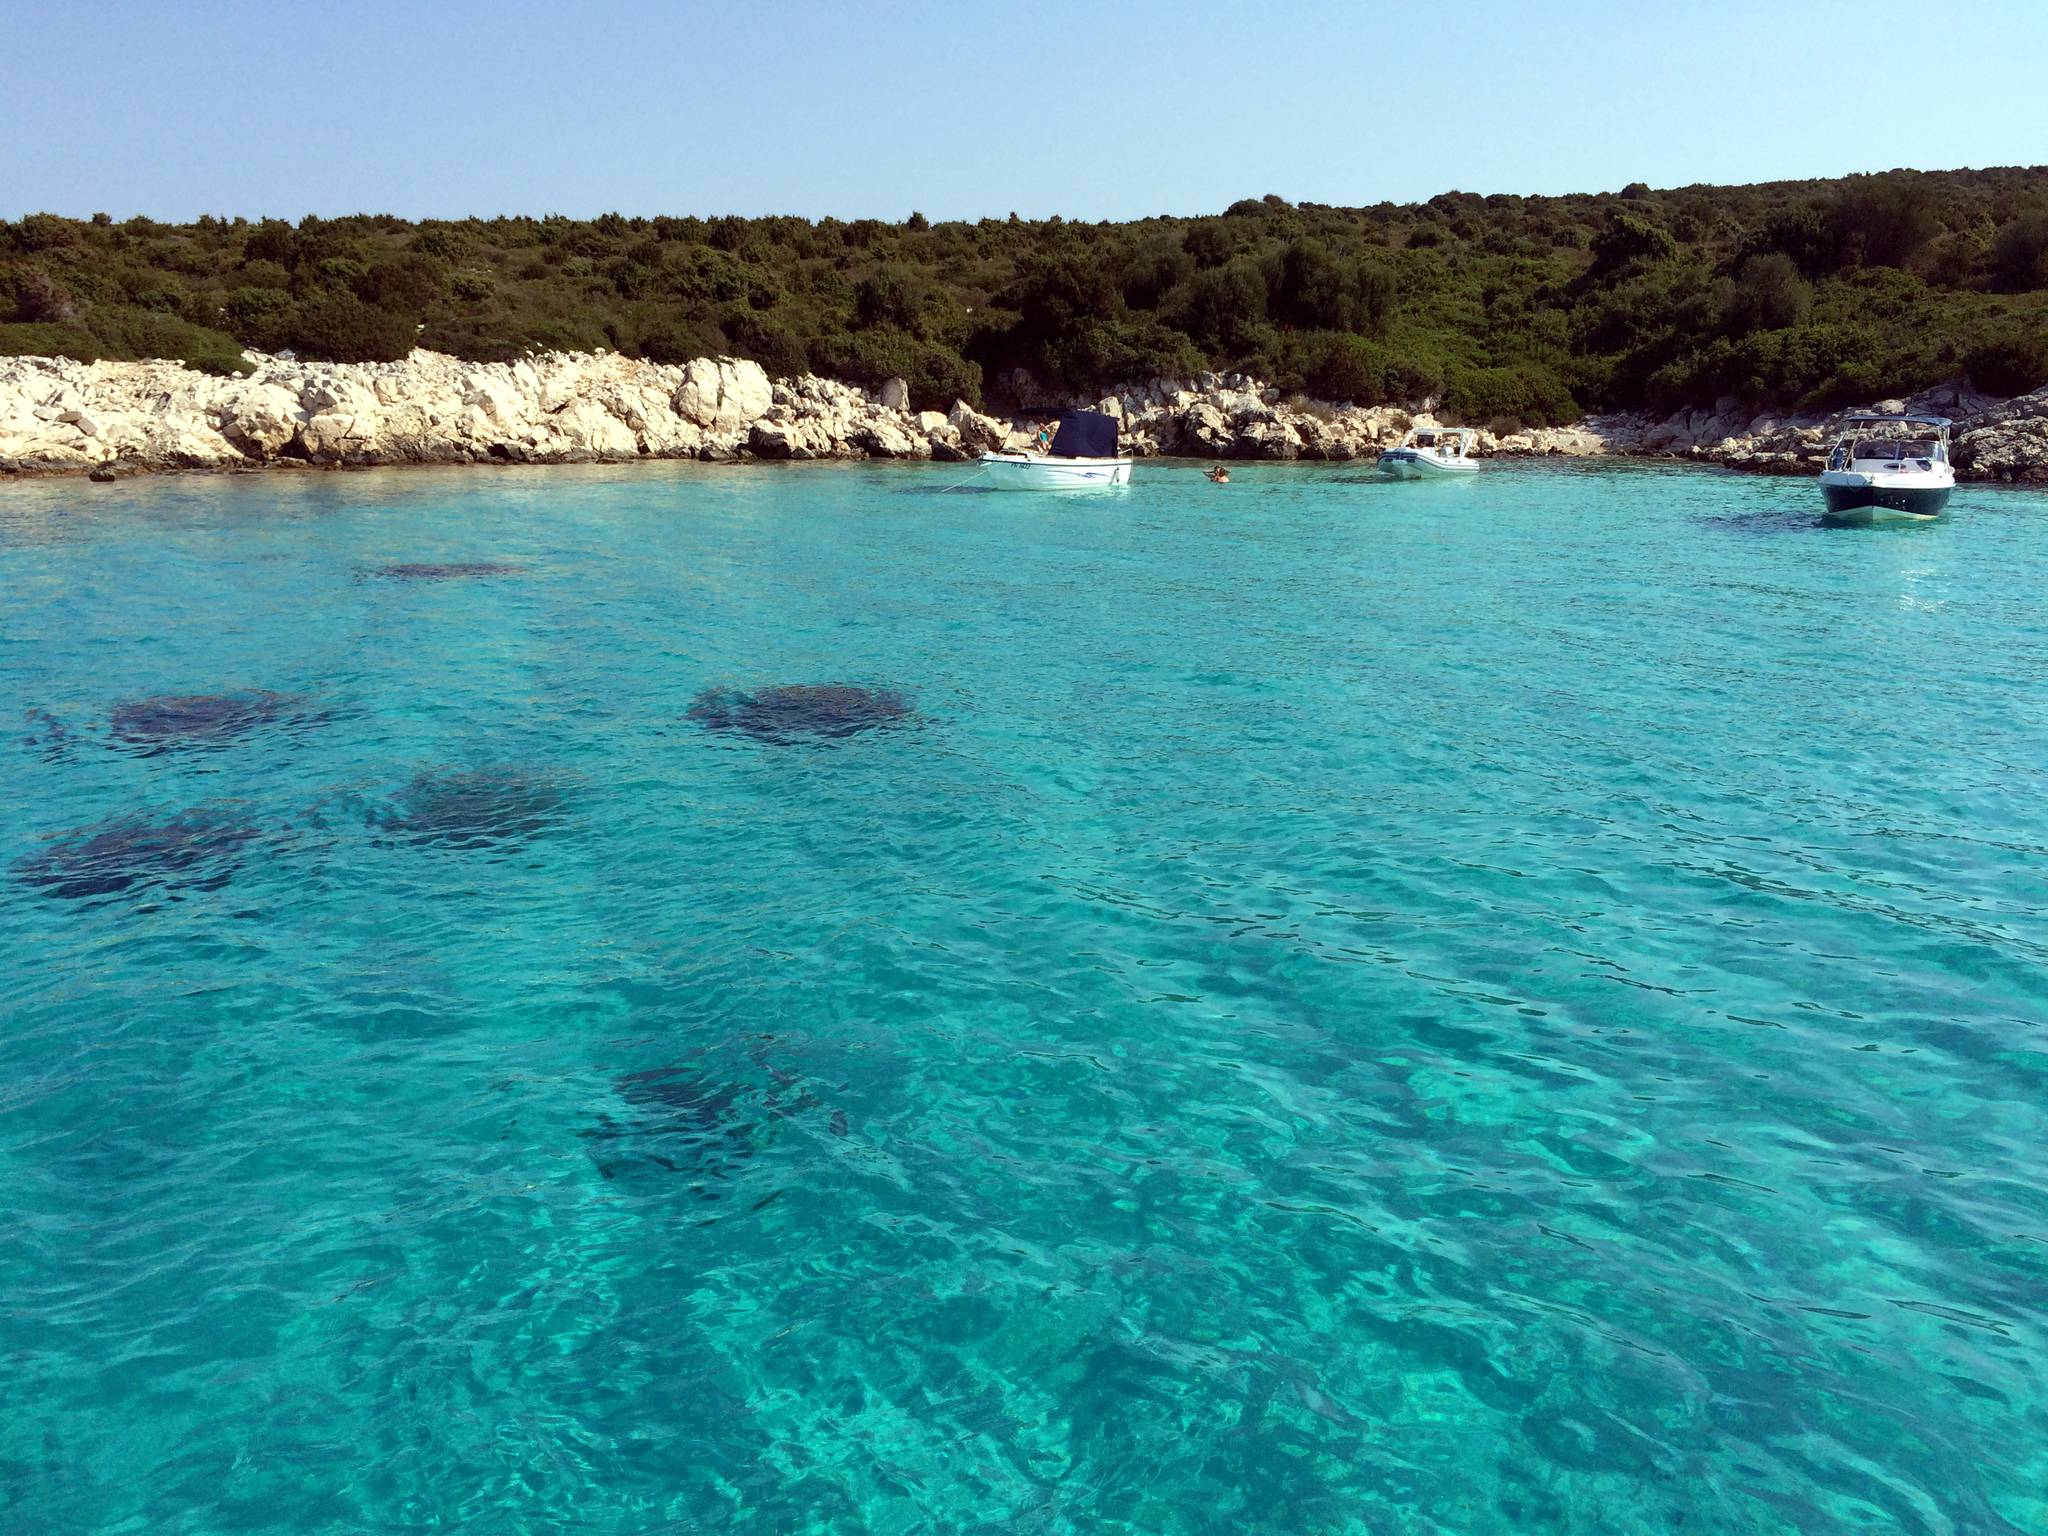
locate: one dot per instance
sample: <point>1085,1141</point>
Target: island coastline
<point>113,419</point>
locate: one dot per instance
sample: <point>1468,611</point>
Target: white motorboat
<point>1430,452</point>
<point>1083,457</point>
<point>1889,469</point>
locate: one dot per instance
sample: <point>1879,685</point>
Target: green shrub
<point>335,272</point>
<point>2020,253</point>
<point>40,297</point>
<point>1411,378</point>
<point>45,232</point>
<point>1153,270</point>
<point>1312,287</point>
<point>272,242</point>
<point>565,333</point>
<point>406,285</point>
<point>1523,393</point>
<point>773,345</point>
<point>2010,365</point>
<point>937,376</point>
<point>220,364</point>
<point>1768,295</point>
<point>262,274</point>
<point>675,339</point>
<point>1629,240</point>
<point>1222,306</point>
<point>1349,368</point>
<point>259,317</point>
<point>130,333</point>
<point>155,290</point>
<point>1881,221</point>
<point>341,328</point>
<point>45,340</point>
<point>892,295</point>
<point>442,244</point>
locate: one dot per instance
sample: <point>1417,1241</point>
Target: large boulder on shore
<point>1268,440</point>
<point>2008,442</point>
<point>976,431</point>
<point>723,394</point>
<point>885,438</point>
<point>260,419</point>
<point>788,436</point>
<point>1204,429</point>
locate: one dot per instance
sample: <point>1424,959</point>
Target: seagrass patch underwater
<point>763,1000</point>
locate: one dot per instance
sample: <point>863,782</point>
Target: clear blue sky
<point>1112,111</point>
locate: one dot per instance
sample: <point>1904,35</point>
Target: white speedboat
<point>1083,457</point>
<point>1430,452</point>
<point>1889,469</point>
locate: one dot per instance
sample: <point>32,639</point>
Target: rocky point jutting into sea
<point>109,418</point>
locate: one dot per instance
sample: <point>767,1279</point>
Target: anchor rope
<point>979,470</point>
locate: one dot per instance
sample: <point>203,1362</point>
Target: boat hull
<point>1031,472</point>
<point>1882,499</point>
<point>1410,464</point>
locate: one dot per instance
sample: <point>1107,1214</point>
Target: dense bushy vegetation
<point>1504,308</point>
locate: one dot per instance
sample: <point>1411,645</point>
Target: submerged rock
<point>49,733</point>
<point>171,721</point>
<point>197,849</point>
<point>479,808</point>
<point>815,711</point>
<point>694,1119</point>
<point>459,571</point>
<point>675,1119</point>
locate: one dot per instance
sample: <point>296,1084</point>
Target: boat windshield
<point>1928,451</point>
<point>1894,448</point>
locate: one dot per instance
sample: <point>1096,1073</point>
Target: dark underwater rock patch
<point>675,1119</point>
<point>49,733</point>
<point>173,721</point>
<point>196,850</point>
<point>692,1119</point>
<point>465,570</point>
<point>798,712</point>
<point>476,808</point>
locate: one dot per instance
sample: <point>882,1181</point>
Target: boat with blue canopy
<point>1083,457</point>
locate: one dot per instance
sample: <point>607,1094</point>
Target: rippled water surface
<point>784,1000</point>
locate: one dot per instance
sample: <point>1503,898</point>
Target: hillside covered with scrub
<point>1509,309</point>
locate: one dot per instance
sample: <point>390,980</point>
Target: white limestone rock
<point>723,395</point>
<point>793,438</point>
<point>975,430</point>
<point>260,419</point>
<point>1205,430</point>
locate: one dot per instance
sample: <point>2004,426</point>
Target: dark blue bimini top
<point>1085,435</point>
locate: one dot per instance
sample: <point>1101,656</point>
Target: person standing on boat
<point>1043,443</point>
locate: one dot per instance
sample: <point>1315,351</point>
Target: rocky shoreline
<point>109,419</point>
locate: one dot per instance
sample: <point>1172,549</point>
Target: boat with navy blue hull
<point>1889,469</point>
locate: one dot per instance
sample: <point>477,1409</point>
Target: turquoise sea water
<point>1342,1007</point>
